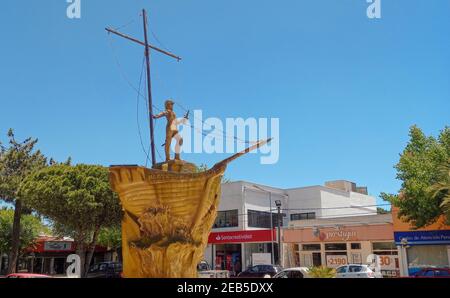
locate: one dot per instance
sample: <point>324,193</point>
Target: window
<point>261,219</point>
<point>336,246</point>
<point>226,219</point>
<point>442,273</point>
<point>355,245</point>
<point>429,273</point>
<point>295,274</point>
<point>311,247</point>
<point>283,275</point>
<point>384,246</point>
<point>303,216</point>
<point>354,269</point>
<point>342,269</point>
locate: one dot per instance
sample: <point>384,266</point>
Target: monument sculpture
<point>169,209</point>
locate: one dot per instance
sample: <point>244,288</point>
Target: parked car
<point>297,272</point>
<point>260,271</point>
<point>356,271</point>
<point>433,273</point>
<point>105,270</point>
<point>27,275</point>
<point>204,271</point>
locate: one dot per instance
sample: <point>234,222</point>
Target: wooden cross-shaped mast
<point>149,85</point>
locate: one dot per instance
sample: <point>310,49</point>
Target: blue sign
<point>423,237</point>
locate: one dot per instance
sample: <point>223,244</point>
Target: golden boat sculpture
<point>169,212</point>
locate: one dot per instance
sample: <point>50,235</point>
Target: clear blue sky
<point>346,88</point>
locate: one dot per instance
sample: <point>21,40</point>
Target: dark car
<point>261,271</point>
<point>433,273</point>
<point>105,270</point>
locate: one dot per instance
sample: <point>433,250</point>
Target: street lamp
<point>278,203</point>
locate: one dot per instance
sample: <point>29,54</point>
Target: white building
<point>243,225</point>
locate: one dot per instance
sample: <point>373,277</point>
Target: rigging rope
<point>139,94</point>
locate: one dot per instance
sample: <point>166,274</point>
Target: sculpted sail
<point>168,214</point>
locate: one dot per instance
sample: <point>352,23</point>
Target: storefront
<point>422,248</point>
<point>235,251</point>
<point>49,256</point>
<point>353,241</point>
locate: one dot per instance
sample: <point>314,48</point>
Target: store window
<point>355,245</point>
<point>227,219</point>
<point>311,247</point>
<point>303,216</point>
<point>428,256</point>
<point>336,246</point>
<point>384,246</point>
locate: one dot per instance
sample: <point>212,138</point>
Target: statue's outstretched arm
<point>160,115</point>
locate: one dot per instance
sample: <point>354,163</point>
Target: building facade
<point>333,242</point>
<point>250,215</point>
<point>421,248</point>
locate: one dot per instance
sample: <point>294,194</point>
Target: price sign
<point>334,261</point>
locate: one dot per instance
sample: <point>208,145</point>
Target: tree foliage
<point>322,272</point>
<point>111,237</point>
<point>30,228</point>
<point>418,170</point>
<point>17,161</point>
<point>77,199</point>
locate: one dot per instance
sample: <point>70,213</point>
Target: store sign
<point>388,262</point>
<point>57,246</point>
<point>242,236</point>
<point>423,237</point>
<point>340,234</point>
<point>334,261</point>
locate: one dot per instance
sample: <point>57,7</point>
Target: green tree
<point>441,189</point>
<point>17,161</point>
<point>78,199</point>
<point>418,170</point>
<point>111,238</point>
<point>382,211</point>
<point>30,228</point>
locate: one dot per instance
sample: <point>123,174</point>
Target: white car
<point>356,271</point>
<point>296,272</point>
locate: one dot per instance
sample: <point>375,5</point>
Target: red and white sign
<point>242,236</point>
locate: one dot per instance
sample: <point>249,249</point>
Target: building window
<point>336,246</point>
<point>261,219</point>
<point>310,247</point>
<point>355,246</point>
<point>384,246</point>
<point>303,216</point>
<point>227,219</point>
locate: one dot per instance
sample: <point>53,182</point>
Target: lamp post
<point>278,203</point>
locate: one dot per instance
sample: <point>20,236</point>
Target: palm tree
<point>322,272</point>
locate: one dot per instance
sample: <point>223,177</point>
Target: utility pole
<point>278,203</point>
<point>149,85</point>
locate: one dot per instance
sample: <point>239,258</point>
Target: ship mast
<point>149,85</point>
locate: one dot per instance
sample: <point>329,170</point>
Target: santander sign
<point>242,236</point>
